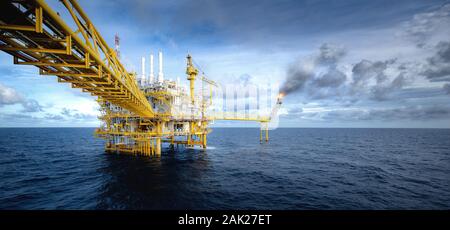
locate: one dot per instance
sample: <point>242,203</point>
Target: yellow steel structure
<point>192,72</point>
<point>136,120</point>
<point>79,57</point>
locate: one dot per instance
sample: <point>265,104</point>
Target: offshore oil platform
<point>138,113</point>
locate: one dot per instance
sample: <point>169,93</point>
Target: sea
<point>298,169</point>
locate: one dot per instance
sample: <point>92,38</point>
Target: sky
<point>346,63</point>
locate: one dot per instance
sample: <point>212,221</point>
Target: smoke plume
<point>297,75</point>
<point>304,70</point>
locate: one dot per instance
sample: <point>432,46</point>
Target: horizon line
<point>91,127</point>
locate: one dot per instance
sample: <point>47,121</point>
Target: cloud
<point>295,110</point>
<point>332,78</point>
<point>381,92</point>
<point>410,113</point>
<point>32,105</point>
<point>75,114</point>
<point>322,76</point>
<point>253,23</point>
<point>66,112</point>
<point>278,30</point>
<point>424,26</point>
<point>447,88</point>
<point>414,113</point>
<point>304,70</point>
<point>438,66</point>
<point>366,70</point>
<point>9,96</point>
<point>16,116</point>
<point>54,117</point>
<point>330,54</point>
<point>297,76</point>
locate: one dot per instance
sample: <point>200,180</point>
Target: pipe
<point>160,73</point>
<point>150,80</point>
<point>143,72</point>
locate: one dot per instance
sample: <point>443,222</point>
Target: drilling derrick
<point>138,113</point>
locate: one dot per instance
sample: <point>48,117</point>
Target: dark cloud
<point>54,117</point>
<point>424,25</point>
<point>48,118</point>
<point>414,113</point>
<point>66,112</point>
<point>411,113</point>
<point>258,22</point>
<point>295,110</point>
<point>70,115</point>
<point>332,78</point>
<point>296,113</point>
<point>447,88</point>
<point>418,93</point>
<point>319,77</point>
<point>330,54</point>
<point>16,116</point>
<point>32,105</point>
<point>75,114</point>
<point>366,70</point>
<point>382,92</point>
<point>322,77</point>
<point>438,66</point>
<point>304,70</point>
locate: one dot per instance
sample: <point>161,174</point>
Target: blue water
<point>66,168</point>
